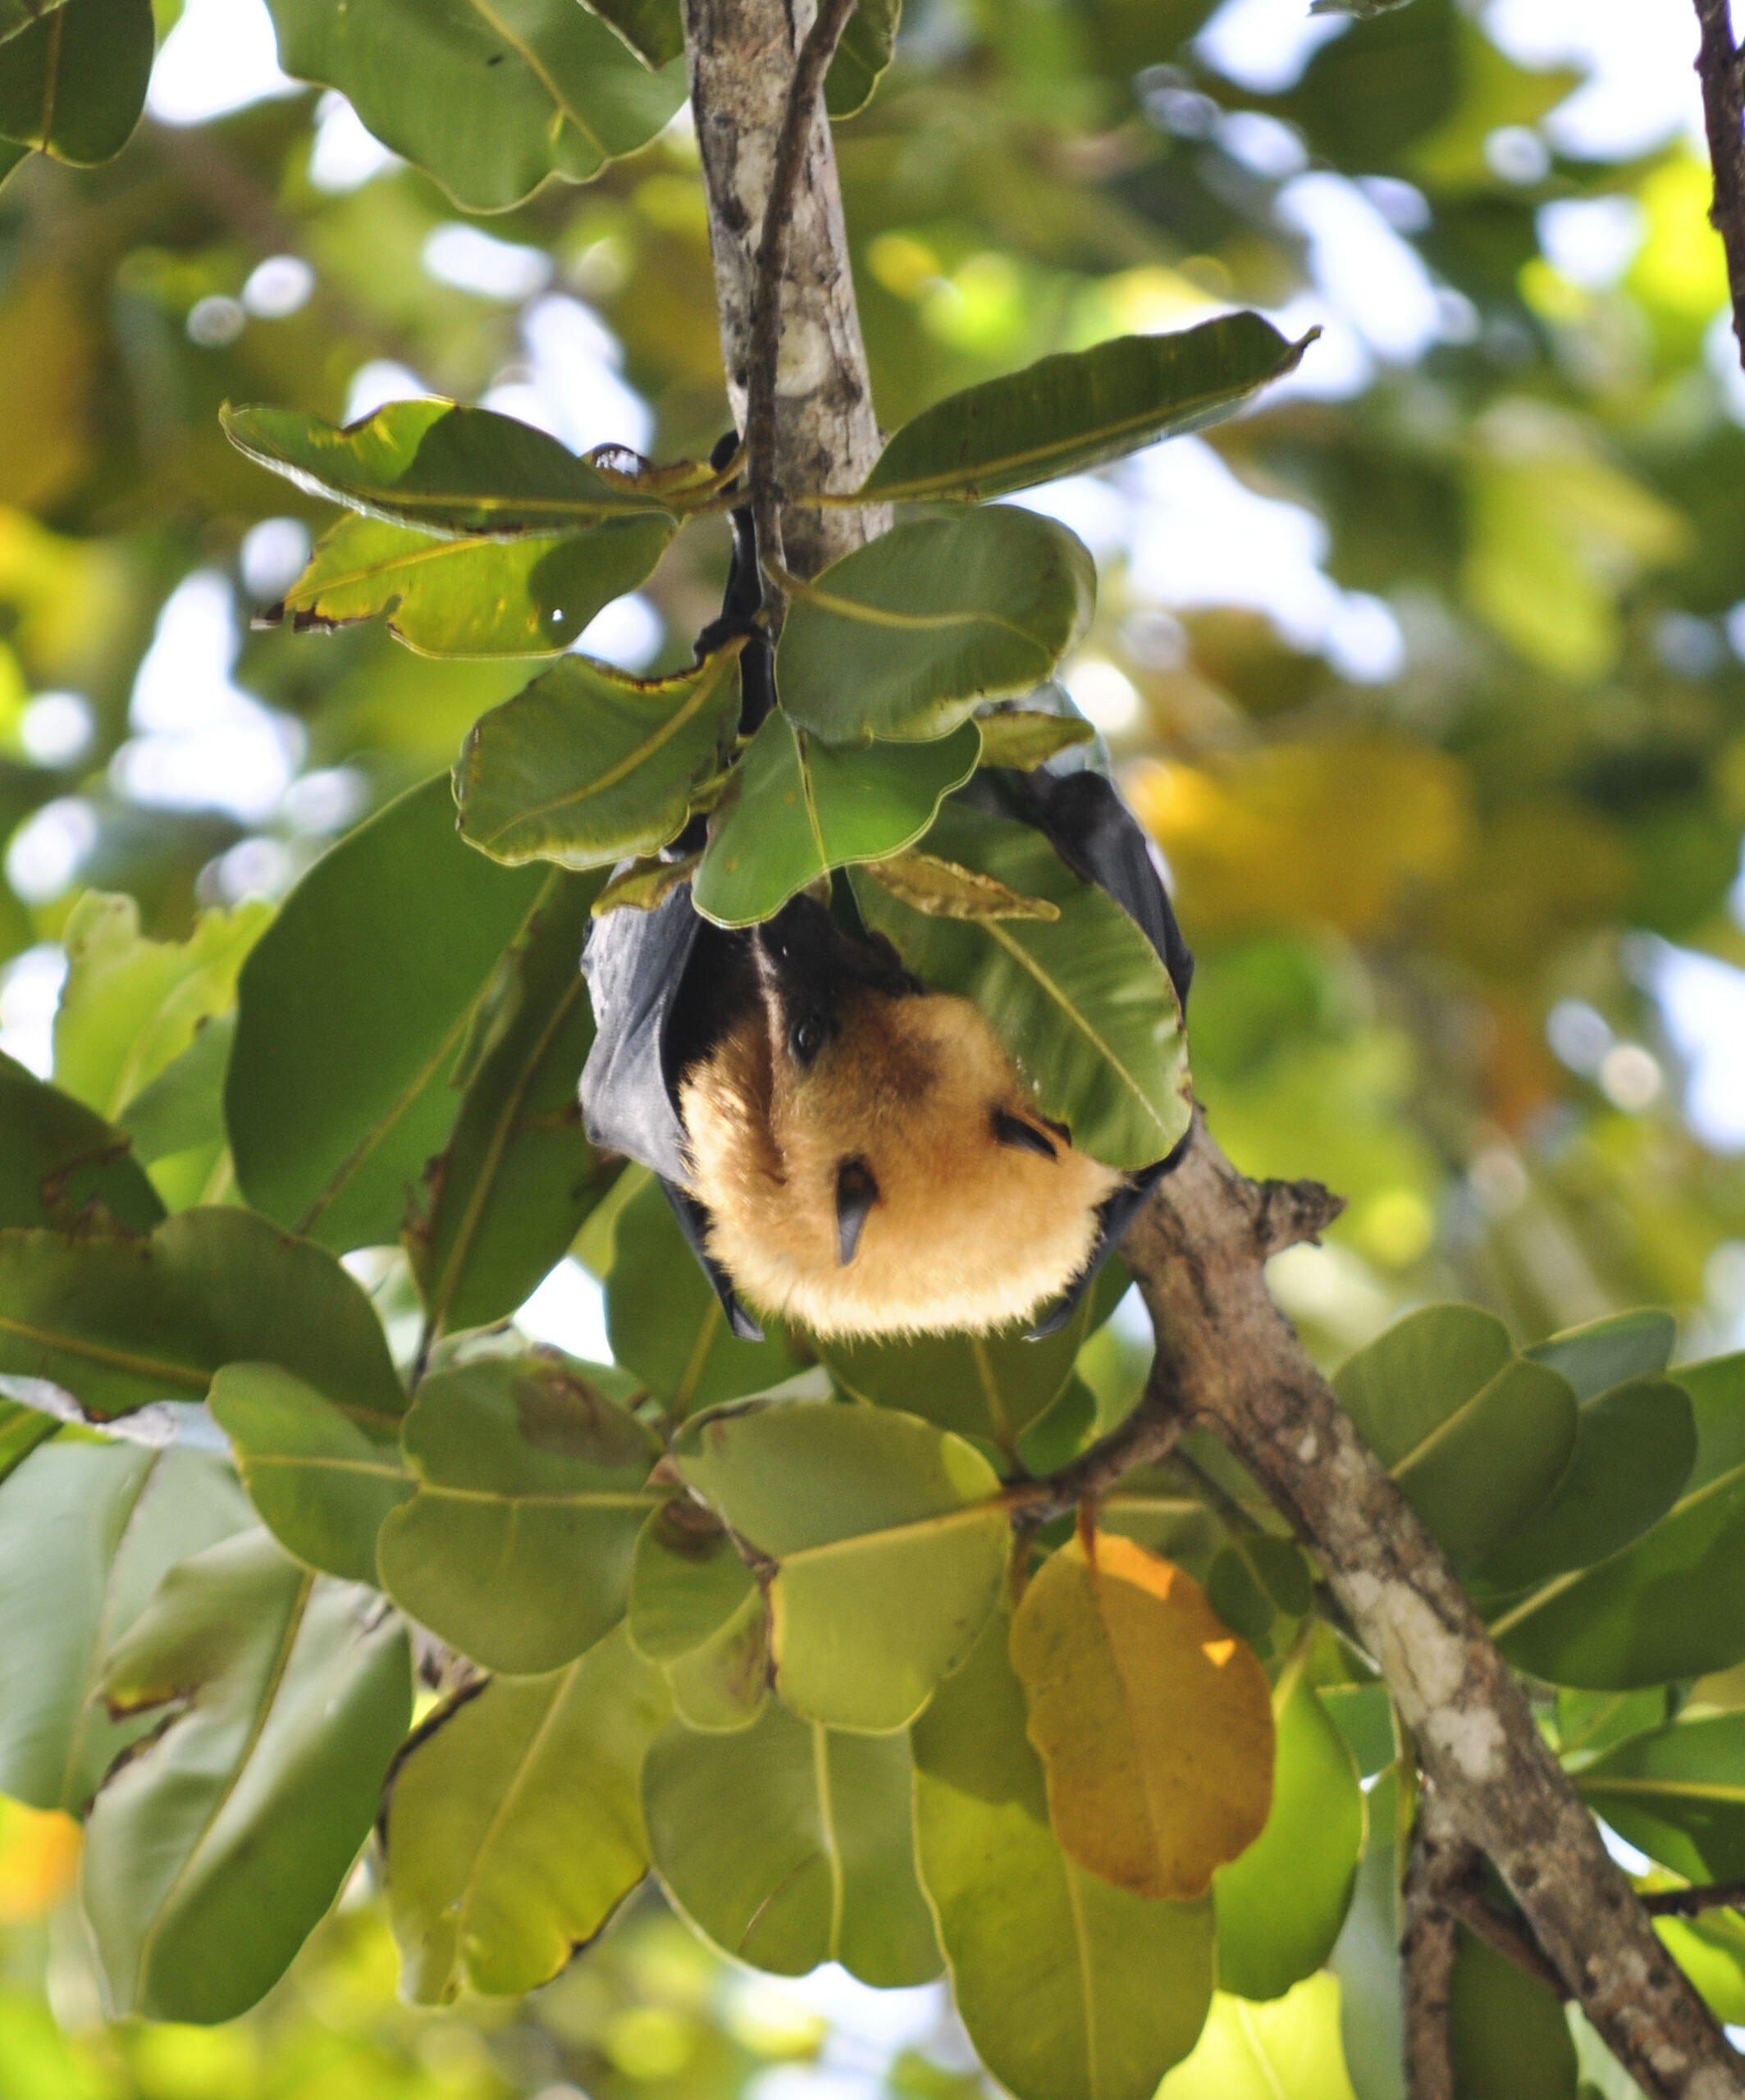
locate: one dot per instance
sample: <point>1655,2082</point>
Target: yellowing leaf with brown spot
<point>1154,1724</point>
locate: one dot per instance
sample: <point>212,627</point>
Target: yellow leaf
<point>1154,1725</point>
<point>38,1861</point>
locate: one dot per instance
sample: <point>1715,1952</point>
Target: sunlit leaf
<point>796,807</point>
<point>1070,411</point>
<point>73,84</point>
<point>322,1486</point>
<point>1025,737</point>
<point>1082,1003</point>
<point>903,637</point>
<point>279,1697</point>
<point>546,87</point>
<point>589,765</point>
<point>724,1684</point>
<point>531,1491</point>
<point>1677,1793</point>
<point>1068,1986</point>
<point>454,472</point>
<point>816,1860</point>
<point>514,1824</point>
<point>518,1177</point>
<point>688,1580</point>
<point>1153,1723</point>
<point>121,1322</point>
<point>353,1011</point>
<point>888,1545</point>
<point>56,1158</point>
<point>1291,2047</point>
<point>527,597</point>
<point>1507,2033</point>
<point>86,1531</point>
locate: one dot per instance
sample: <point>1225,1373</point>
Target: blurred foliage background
<point>1427,675</point>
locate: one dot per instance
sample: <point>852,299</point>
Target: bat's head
<point>871,1159</point>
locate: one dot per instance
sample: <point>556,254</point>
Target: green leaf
<point>546,86</point>
<point>724,1684</point>
<point>1710,1950</point>
<point>654,30</point>
<point>889,1542</point>
<point>17,15</point>
<point>212,1853</point>
<point>1082,1003</point>
<point>1506,2033</point>
<point>182,1110</point>
<point>1678,1792</point>
<point>1366,1961</point>
<point>796,808</point>
<point>1067,412</point>
<point>687,1582</point>
<point>321,1485</point>
<point>1477,1437</point>
<point>131,1007</point>
<point>1068,1986</point>
<point>86,1531</point>
<point>455,472</point>
<point>22,1429</point>
<point>815,1860</point>
<point>56,1158</point>
<point>519,1178</point>
<point>1255,1578</point>
<point>588,764</point>
<point>990,1385</point>
<point>1025,737</point>
<point>1634,1448</point>
<point>1607,1353</point>
<point>666,1324</point>
<point>1288,2050</point>
<point>862,57</point>
<point>527,597</point>
<point>517,1547</point>
<point>73,84</point>
<point>121,1322</point>
<point>515,1823</point>
<point>1281,1905</point>
<point>353,1011</point>
<point>905,635</point>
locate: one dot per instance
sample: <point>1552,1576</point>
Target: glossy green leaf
<point>666,1324</point>
<point>545,87</point>
<point>321,1485</point>
<point>1288,2050</point>
<point>1068,1986</point>
<point>589,765</point>
<point>531,1491</point>
<point>527,597</point>
<point>654,29</point>
<point>57,1158</point>
<point>86,1531</point>
<point>519,1177</point>
<point>1477,1437</point>
<point>131,1007</point>
<point>1607,1353</point>
<point>889,1548</point>
<point>687,1582</point>
<point>353,1011</point>
<point>1506,2033</point>
<point>453,471</point>
<point>796,808</point>
<point>120,1322</point>
<point>1067,412</point>
<point>903,637</point>
<point>278,1698</point>
<point>515,1823</point>
<point>1082,1003</point>
<point>1635,1445</point>
<point>1280,1906</point>
<point>1678,1793</point>
<point>788,1844</point>
<point>72,84</point>
<point>862,57</point>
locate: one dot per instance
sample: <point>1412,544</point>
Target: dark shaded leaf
<point>73,84</point>
<point>56,1158</point>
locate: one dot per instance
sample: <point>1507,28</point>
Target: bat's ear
<point>693,1221</point>
<point>1114,1215</point>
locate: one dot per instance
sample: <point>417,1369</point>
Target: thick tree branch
<point>1724,119</point>
<point>1197,1253</point>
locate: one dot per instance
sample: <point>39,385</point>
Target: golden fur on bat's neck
<point>967,1233</point>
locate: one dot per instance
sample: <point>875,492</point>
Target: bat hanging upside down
<point>870,1159</point>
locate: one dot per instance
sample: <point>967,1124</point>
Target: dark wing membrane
<point>635,963</point>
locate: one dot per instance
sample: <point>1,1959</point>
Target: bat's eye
<point>807,1037</point>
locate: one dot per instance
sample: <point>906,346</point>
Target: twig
<point>1502,1934</point>
<point>764,349</point>
<point>1146,1438</point>
<point>1723,118</point>
<point>1693,1902</point>
<point>1440,1856</point>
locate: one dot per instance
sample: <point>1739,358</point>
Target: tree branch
<point>1724,119</point>
<point>1197,1252</point>
<point>1440,1858</point>
<point>1693,1902</point>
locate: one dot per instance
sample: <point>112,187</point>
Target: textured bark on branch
<point>1718,66</point>
<point>1227,1357</point>
<point>1440,1857</point>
